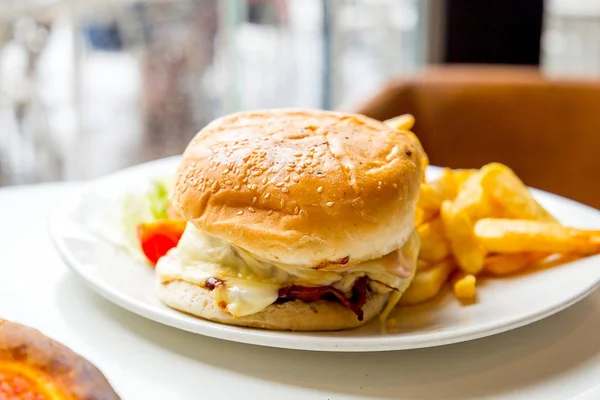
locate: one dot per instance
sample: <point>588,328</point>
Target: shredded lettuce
<point>118,222</point>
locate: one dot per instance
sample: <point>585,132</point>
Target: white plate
<point>503,304</point>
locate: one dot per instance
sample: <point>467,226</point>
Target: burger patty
<point>314,293</point>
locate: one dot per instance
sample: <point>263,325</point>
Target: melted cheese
<point>253,284</point>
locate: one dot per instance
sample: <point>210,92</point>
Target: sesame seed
<point>329,203</point>
<point>254,186</point>
<point>286,179</point>
<point>228,182</point>
<point>240,212</point>
<point>320,189</point>
<point>296,209</point>
<point>296,179</point>
<point>395,185</point>
<point>225,171</point>
<point>237,187</point>
<point>264,180</point>
<point>298,154</point>
<point>214,185</point>
<point>269,212</point>
<point>282,202</point>
<point>254,199</point>
<point>251,209</point>
<point>285,190</point>
<point>280,184</point>
<point>267,195</point>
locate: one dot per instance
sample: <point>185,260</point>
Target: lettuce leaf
<point>158,195</point>
<point>143,207</point>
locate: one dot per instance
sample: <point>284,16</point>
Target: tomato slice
<point>158,237</point>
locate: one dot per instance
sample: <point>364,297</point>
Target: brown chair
<point>547,130</point>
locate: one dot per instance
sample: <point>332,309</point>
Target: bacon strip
<point>314,293</point>
<point>308,294</point>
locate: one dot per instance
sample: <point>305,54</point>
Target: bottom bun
<point>295,315</point>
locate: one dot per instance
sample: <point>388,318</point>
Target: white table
<point>554,359</point>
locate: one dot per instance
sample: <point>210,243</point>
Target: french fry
<point>424,216</point>
<point>427,283</point>
<point>501,183</point>
<point>507,264</point>
<point>461,175</point>
<point>403,122</point>
<point>468,252</point>
<point>429,198</point>
<point>449,182</point>
<point>419,217</point>
<point>422,265</point>
<point>486,220</point>
<point>446,185</point>
<point>517,236</point>
<point>434,246</point>
<point>473,199</point>
<point>555,259</point>
<point>464,287</point>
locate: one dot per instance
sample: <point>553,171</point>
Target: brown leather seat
<point>547,130</point>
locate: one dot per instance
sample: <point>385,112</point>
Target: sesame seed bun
<point>302,187</point>
<point>321,315</point>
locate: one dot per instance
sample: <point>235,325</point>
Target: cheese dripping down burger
<point>297,220</point>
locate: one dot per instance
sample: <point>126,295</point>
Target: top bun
<point>302,187</point>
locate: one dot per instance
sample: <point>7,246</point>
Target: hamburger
<point>296,220</point>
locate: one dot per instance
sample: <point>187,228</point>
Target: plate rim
<point>269,338</point>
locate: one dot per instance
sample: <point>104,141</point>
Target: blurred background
<point>89,87</point>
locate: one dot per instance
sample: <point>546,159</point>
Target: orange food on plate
<point>160,236</point>
<point>34,367</point>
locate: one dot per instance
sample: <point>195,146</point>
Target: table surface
<point>557,358</point>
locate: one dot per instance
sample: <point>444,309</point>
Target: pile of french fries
<point>474,222</point>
